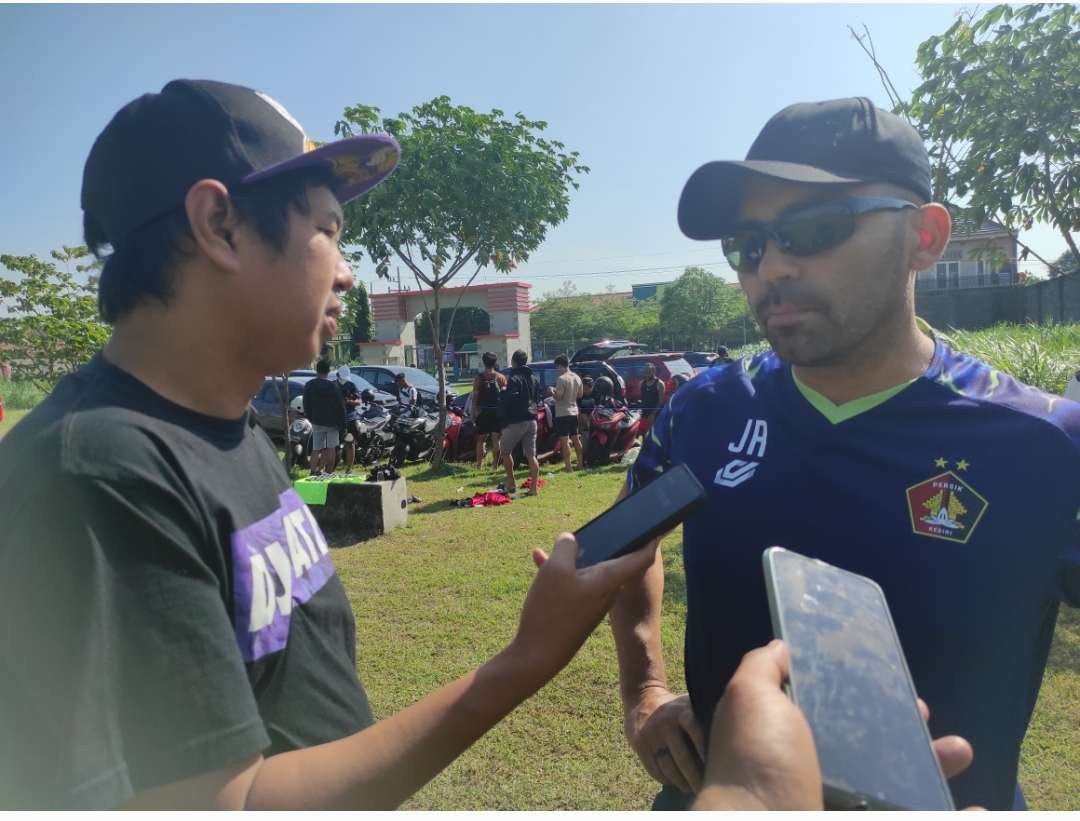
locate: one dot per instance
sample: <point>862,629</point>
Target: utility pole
<point>399,278</point>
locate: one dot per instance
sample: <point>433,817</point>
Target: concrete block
<point>350,511</point>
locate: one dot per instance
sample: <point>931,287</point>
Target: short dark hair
<point>722,350</point>
<point>140,267</point>
<point>322,367</point>
<point>520,357</point>
<point>561,361</point>
<point>490,360</point>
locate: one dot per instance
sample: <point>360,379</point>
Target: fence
<point>1043,302</point>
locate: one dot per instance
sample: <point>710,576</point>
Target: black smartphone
<point>850,679</point>
<point>640,517</point>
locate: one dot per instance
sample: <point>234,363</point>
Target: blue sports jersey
<point>959,495</point>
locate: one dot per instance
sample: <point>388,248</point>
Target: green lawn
<point>10,418</point>
<point>438,597</point>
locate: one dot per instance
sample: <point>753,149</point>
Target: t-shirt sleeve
<point>655,452</point>
<point>119,651</point>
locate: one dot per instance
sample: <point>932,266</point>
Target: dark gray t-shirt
<point>168,604</point>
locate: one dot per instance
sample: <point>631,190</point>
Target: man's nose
<point>343,278</point>
<point>775,265</point>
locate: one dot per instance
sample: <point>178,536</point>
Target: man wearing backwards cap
<point>173,631</point>
<point>862,440</point>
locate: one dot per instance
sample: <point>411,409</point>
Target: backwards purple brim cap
<point>157,146</point>
<point>358,164</point>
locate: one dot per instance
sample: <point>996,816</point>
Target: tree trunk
<point>440,366</point>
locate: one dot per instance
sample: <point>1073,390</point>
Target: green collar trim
<point>841,413</point>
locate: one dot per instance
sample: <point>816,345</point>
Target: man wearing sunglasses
<point>860,439</point>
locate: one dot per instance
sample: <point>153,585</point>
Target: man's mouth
<point>786,315</point>
<point>332,317</point>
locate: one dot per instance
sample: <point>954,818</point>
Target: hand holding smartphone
<point>640,517</point>
<point>849,677</point>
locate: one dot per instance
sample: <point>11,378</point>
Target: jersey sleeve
<point>655,452</point>
<point>118,649</point>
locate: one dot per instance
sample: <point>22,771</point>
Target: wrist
<point>727,797</point>
<point>645,695</point>
<point>521,668</point>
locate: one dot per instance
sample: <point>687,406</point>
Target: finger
<point>615,572</point>
<point>539,557</point>
<point>565,552</point>
<point>924,711</point>
<point>688,764</point>
<point>766,665</point>
<point>670,770</point>
<point>692,729</point>
<point>954,753</point>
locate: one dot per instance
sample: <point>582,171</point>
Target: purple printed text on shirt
<point>279,562</point>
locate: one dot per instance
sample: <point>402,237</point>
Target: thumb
<point>539,557</point>
<point>565,552</point>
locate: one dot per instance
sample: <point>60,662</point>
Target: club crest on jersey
<point>945,506</point>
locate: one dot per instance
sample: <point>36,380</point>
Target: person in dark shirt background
<point>324,406</point>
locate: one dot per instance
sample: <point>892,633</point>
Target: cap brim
<point>709,203</point>
<point>357,163</point>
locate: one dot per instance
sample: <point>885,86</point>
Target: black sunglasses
<point>802,232</point>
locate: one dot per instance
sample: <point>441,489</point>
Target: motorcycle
<point>613,430</point>
<point>371,432</point>
<point>414,435</point>
<point>459,439</point>
<point>374,436</point>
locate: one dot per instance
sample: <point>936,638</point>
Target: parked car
<point>607,348</point>
<point>384,398</point>
<point>632,369</point>
<point>547,373</point>
<point>266,405</point>
<point>699,360</point>
<point>382,377</point>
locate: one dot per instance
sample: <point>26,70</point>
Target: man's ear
<point>933,228</point>
<point>213,220</point>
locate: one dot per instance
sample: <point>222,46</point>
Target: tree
<point>356,318</point>
<point>50,321</point>
<point>1064,265</point>
<point>472,189</point>
<point>562,314</point>
<point>466,324</point>
<point>697,305</point>
<point>998,107</point>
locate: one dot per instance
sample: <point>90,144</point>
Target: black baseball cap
<point>835,142</point>
<point>159,145</point>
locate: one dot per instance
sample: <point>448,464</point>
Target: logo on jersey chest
<point>945,506</point>
<point>751,444</point>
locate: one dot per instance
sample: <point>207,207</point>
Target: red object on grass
<point>489,499</point>
<point>527,484</point>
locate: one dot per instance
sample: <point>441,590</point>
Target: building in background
<point>976,257</point>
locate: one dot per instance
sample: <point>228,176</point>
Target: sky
<point>646,94</point>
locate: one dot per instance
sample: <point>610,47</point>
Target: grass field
<point>438,597</point>
<point>10,418</point>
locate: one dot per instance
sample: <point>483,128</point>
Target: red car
<point>626,358</point>
<point>632,370</point>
